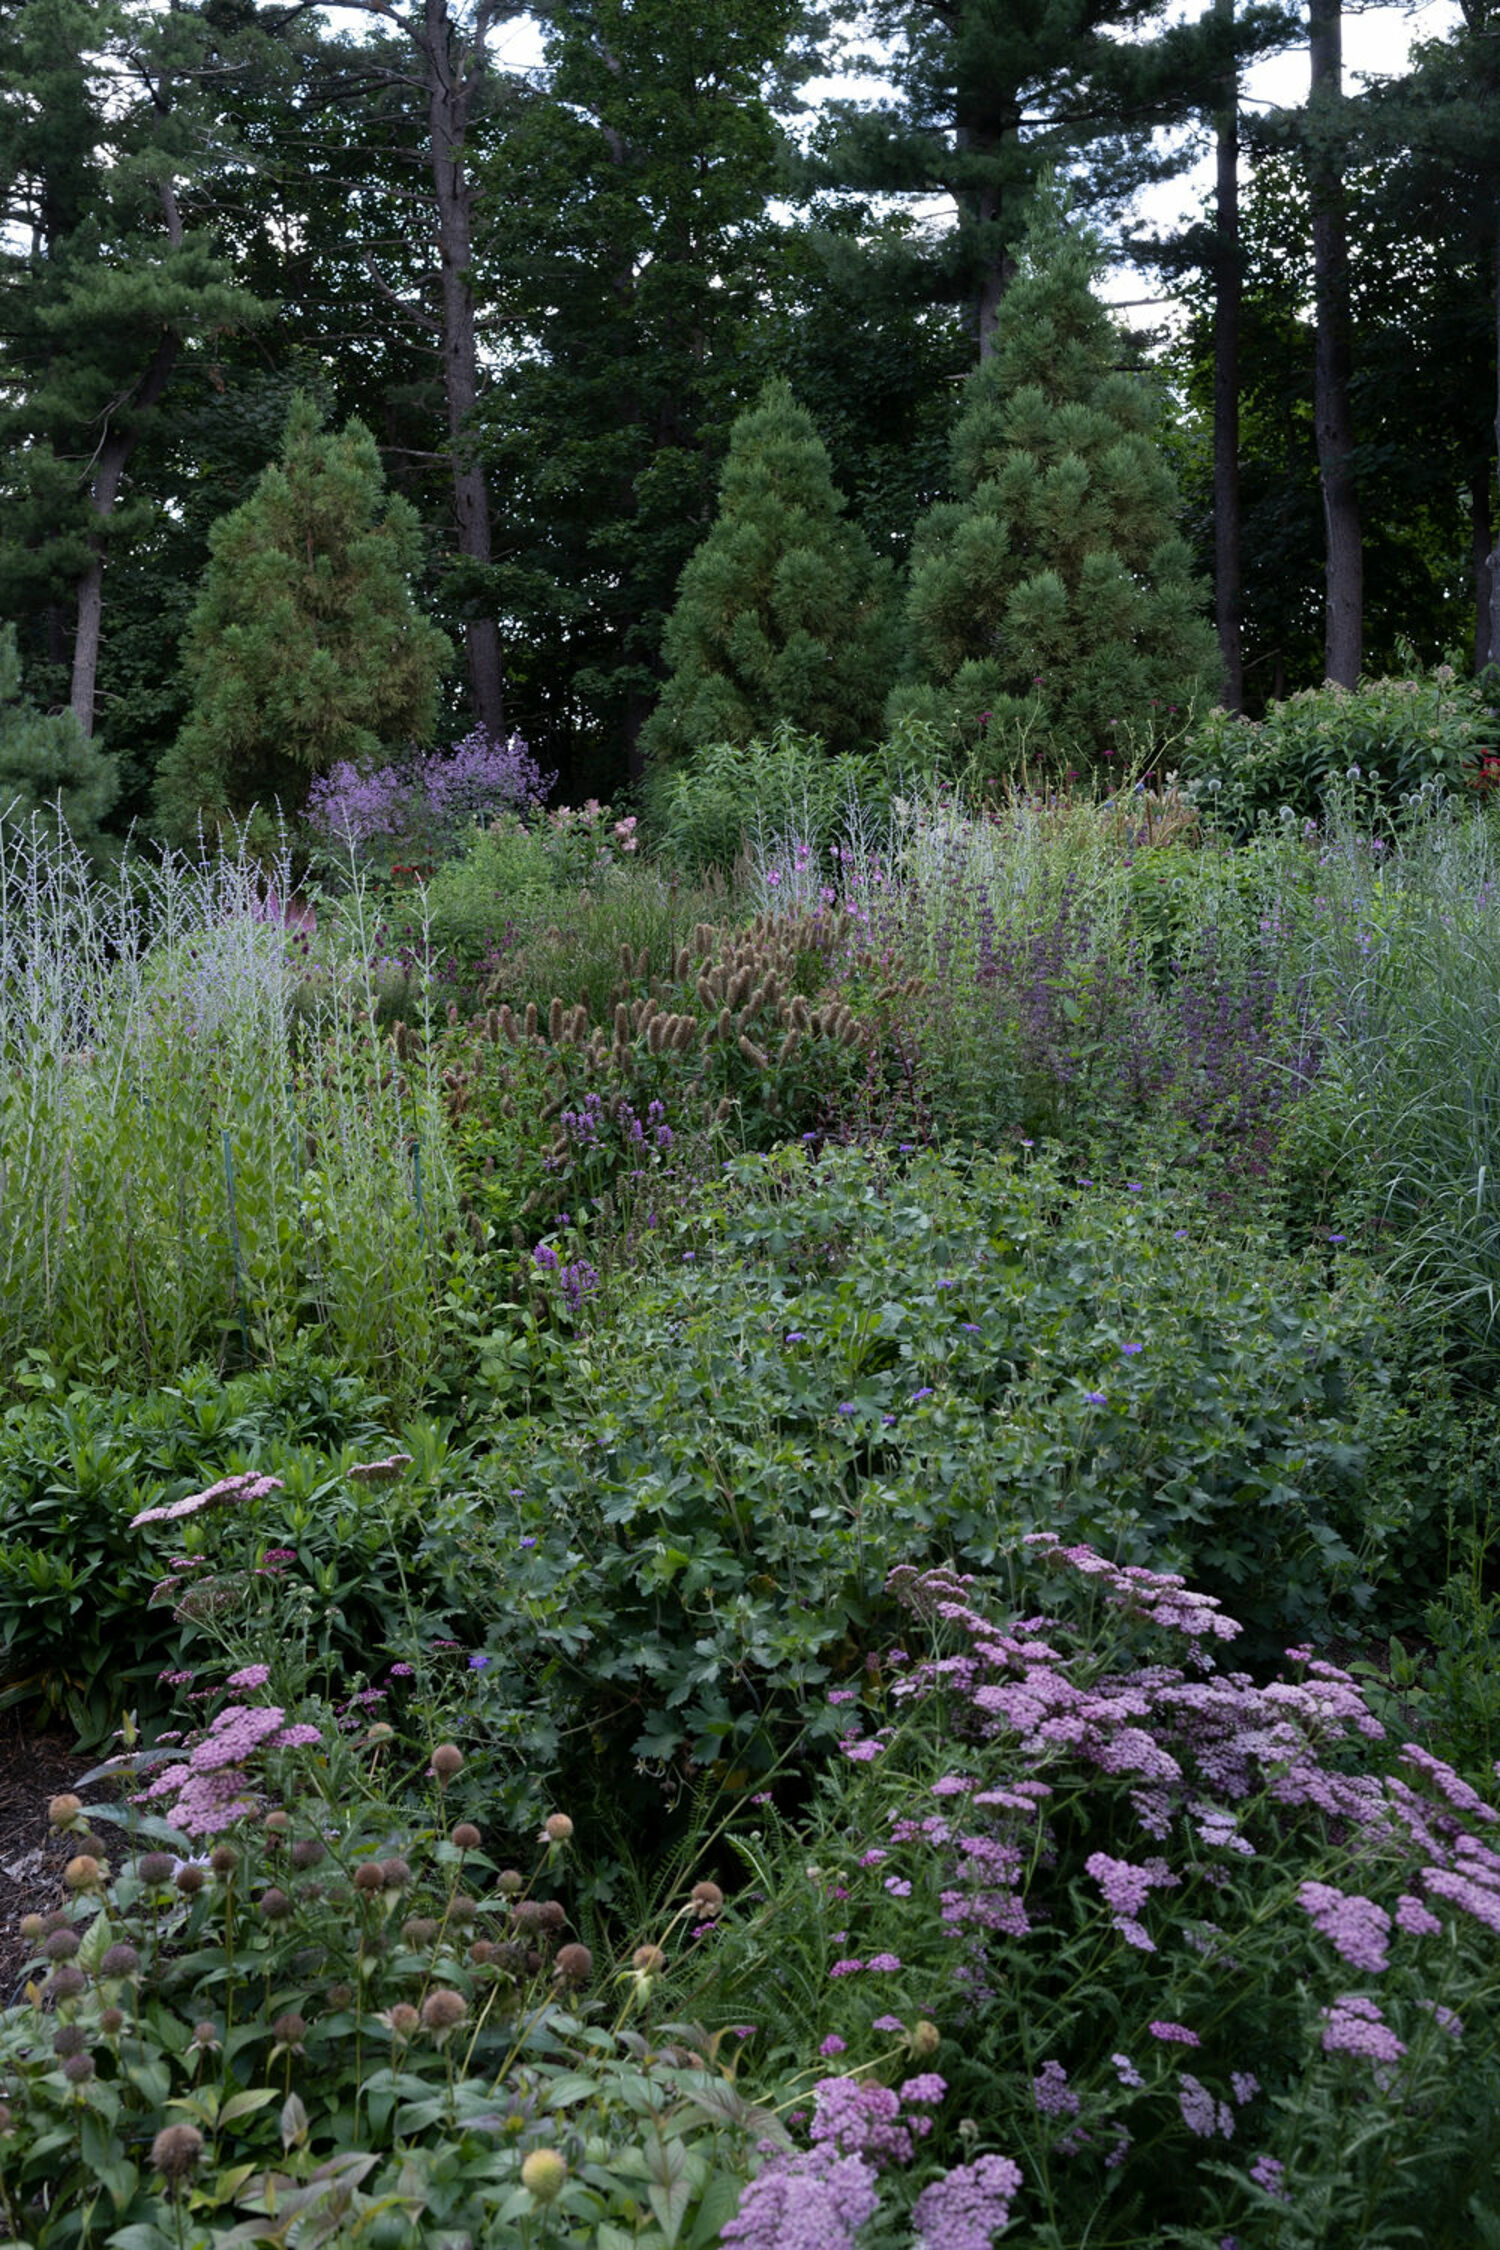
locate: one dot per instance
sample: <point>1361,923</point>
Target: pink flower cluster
<point>210,1789</point>
<point>859,2117</point>
<point>248,1485</point>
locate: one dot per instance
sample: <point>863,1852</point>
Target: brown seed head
<point>510,1884</point>
<point>65,1983</point>
<point>466,1836</point>
<point>367,1877</point>
<point>575,1963</point>
<point>83,1873</point>
<point>447,1760</point>
<point>419,1929</point>
<point>556,1828</point>
<point>70,2039</point>
<point>155,1867</point>
<point>63,1810</point>
<point>482,1952</point>
<point>462,1910</point>
<point>403,2019</point>
<point>62,1945</point>
<point>340,1995</point>
<point>308,1851</point>
<point>648,1960</point>
<point>289,2030</point>
<point>275,1906</point>
<point>78,2069</point>
<point>111,2022</point>
<point>277,1823</point>
<point>175,2152</point>
<point>205,2034</point>
<point>223,1859</point>
<point>442,2009</point>
<point>708,1898</point>
<point>120,1960</point>
<point>395,1874</point>
<point>925,2039</point>
<point>190,1881</point>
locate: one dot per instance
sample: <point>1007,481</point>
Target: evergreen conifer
<point>784,616</point>
<point>48,765</point>
<point>1054,601</point>
<point>305,648</point>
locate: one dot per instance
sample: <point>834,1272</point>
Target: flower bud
<point>543,2173</point>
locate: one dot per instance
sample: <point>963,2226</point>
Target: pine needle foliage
<point>784,616</point>
<point>304,648</point>
<point>50,772</point>
<point>1053,600</point>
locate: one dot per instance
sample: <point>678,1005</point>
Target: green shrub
<point>85,1629</point>
<point>1389,735</point>
<point>844,1364</point>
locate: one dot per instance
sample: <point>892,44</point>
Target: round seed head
<point>442,2009</point>
<point>447,1760</point>
<point>64,1809</point>
<point>462,1910</point>
<point>466,1836</point>
<point>395,1874</point>
<point>274,1906</point>
<point>510,1884</point>
<point>32,1927</point>
<point>557,1828</point>
<point>62,1945</point>
<point>403,2019</point>
<point>175,2152</point>
<point>708,1898</point>
<point>78,2069</point>
<point>925,2039</point>
<point>190,1881</point>
<point>543,2172</point>
<point>111,2022</point>
<point>223,1859</point>
<point>367,1877</point>
<point>206,2035</point>
<point>575,1963</point>
<point>289,2030</point>
<point>308,1851</point>
<point>155,1867</point>
<point>648,1960</point>
<point>83,1873</point>
<point>277,1824</point>
<point>70,2039</point>
<point>65,1983</point>
<point>120,1960</point>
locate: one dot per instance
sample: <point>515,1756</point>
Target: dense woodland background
<point>548,295</point>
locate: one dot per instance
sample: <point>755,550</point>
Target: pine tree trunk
<point>1228,289</point>
<point>1344,571</point>
<point>104,492</point>
<point>449,94</point>
<point>1483,515</point>
<point>1492,653</point>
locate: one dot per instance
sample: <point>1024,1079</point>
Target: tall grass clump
<point>204,1146</point>
<point>1402,938</point>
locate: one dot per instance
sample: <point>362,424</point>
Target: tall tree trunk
<point>450,90</point>
<point>1493,589</point>
<point>982,207</point>
<point>1344,575</point>
<point>1228,290</point>
<point>104,491</point>
<point>1483,514</point>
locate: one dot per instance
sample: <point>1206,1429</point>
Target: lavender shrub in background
<point>421,807</point>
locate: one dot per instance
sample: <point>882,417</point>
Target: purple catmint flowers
<point>425,804</point>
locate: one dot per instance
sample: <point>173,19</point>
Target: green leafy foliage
<point>49,770</point>
<point>1391,736</point>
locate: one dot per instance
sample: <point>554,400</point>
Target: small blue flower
<point>795,1336</point>
<point>478,1663</point>
<point>847,1407</point>
<point>688,1256</point>
<point>970,1327</point>
<point>1096,1398</point>
<point>1130,1350</point>
<point>925,1392</point>
<point>1338,1238</point>
<point>1179,1234</point>
<point>528,1542</point>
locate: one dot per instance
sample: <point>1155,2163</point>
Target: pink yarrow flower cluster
<point>211,1789</point>
<point>238,1490</point>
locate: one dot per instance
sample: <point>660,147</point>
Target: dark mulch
<point>33,1768</point>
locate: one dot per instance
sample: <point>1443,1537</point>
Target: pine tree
<point>783,615</point>
<point>305,647</point>
<point>48,765</point>
<point>1055,594</point>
